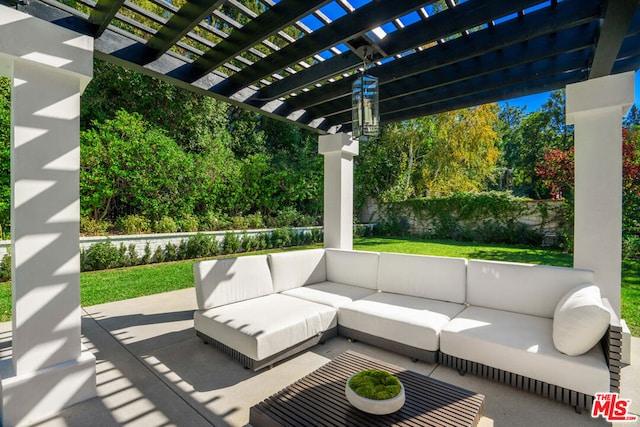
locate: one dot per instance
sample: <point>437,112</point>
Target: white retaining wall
<point>156,240</point>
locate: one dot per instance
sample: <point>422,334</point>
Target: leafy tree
<point>411,140</point>
<point>557,172</point>
<point>435,155</point>
<point>129,167</point>
<point>632,119</point>
<point>463,155</point>
<point>631,181</point>
<point>245,136</point>
<point>194,121</point>
<point>529,137</point>
<point>376,169</point>
<point>509,139</point>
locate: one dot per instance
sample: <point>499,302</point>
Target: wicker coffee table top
<point>319,400</point>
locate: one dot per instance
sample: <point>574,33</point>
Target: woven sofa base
<point>579,400</point>
<point>256,365</point>
<point>396,347</point>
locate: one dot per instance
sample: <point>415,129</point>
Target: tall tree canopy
<point>441,154</point>
<point>527,137</point>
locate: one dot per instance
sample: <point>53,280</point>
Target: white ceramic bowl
<point>376,407</point>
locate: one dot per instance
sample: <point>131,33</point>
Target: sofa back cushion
<point>297,268</point>
<point>431,277</point>
<point>521,288</point>
<point>225,281</point>
<point>356,268</point>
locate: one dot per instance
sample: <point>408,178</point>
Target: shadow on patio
<point>153,371</point>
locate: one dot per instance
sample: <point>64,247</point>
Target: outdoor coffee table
<point>319,400</point>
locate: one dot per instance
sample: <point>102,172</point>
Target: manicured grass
<point>99,287</point>
<point>115,285</point>
<point>450,248</point>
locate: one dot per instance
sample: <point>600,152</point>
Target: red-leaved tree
<point>630,161</point>
<point>557,167</point>
<point>556,170</point>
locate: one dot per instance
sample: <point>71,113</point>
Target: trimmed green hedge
<point>106,255</point>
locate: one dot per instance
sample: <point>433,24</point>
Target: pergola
<point>292,60</point>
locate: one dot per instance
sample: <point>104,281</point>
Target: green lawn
<point>115,285</point>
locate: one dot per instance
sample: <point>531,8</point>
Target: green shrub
<point>280,238</point>
<point>255,220</point>
<point>131,256</point>
<point>294,237</point>
<point>511,233</point>
<point>146,257</point>
<point>101,256</point>
<point>181,252</point>
<point>5,268</point>
<point>212,221</point>
<point>91,227</point>
<point>287,217</point>
<point>308,221</point>
<point>630,246</point>
<point>189,223</point>
<point>170,252</point>
<point>392,226</point>
<point>239,223</point>
<point>248,243</point>
<point>262,241</point>
<point>317,235</point>
<point>304,237</point>
<point>158,255</point>
<point>134,224</point>
<point>166,225</point>
<point>202,245</point>
<point>231,243</point>
<point>360,230</point>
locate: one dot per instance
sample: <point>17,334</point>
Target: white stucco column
<point>49,68</point>
<point>596,108</point>
<point>338,151</point>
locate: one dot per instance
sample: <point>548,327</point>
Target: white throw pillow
<point>580,320</point>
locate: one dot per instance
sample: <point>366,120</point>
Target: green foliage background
<point>153,150</point>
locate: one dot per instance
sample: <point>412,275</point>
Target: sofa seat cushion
<point>262,327</point>
<point>330,293</point>
<point>405,319</point>
<point>522,344</point>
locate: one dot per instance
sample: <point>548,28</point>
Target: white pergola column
<point>596,108</point>
<point>338,151</point>
<point>49,68</point>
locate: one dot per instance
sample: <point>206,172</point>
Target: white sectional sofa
<point>544,329</point>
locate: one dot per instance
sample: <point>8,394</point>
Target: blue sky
<point>533,102</point>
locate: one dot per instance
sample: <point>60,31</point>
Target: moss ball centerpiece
<point>375,392</point>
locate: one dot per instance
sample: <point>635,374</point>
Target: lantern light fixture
<point>364,102</point>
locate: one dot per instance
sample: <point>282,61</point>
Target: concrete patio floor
<point>153,371</point>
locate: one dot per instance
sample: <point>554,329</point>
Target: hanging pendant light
<point>364,104</point>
